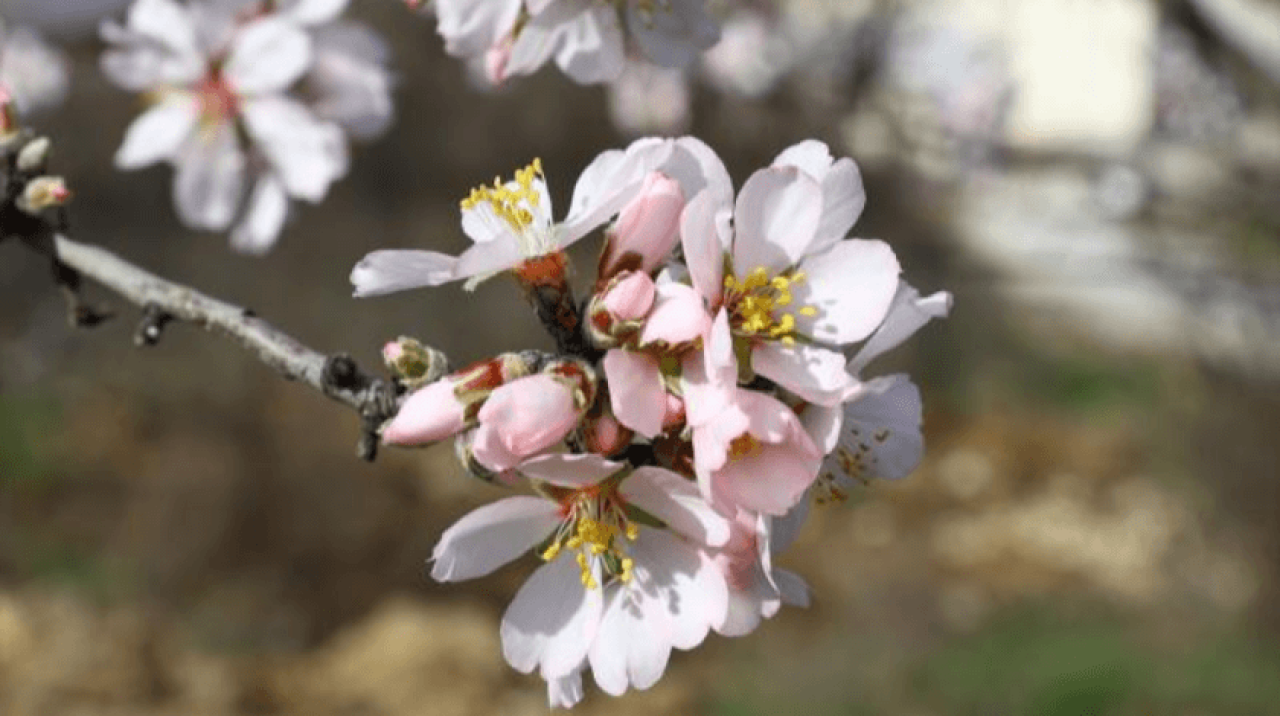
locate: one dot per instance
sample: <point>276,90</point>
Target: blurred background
<point>1095,528</point>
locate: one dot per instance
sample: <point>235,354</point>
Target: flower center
<point>218,101</point>
<point>596,527</point>
<point>744,446</point>
<point>754,304</point>
<point>515,203</point>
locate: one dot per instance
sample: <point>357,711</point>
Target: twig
<point>338,376</point>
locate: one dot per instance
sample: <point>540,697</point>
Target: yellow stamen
<point>754,302</point>
<point>512,204</point>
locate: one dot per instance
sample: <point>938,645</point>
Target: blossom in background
<point>715,390</point>
<point>35,74</point>
<point>216,66</point>
<point>588,40</point>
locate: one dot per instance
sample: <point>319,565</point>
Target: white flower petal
<point>566,691</point>
<point>907,314</point>
<point>268,55</point>
<point>591,49</point>
<point>392,270</point>
<point>784,530</point>
<point>160,132</point>
<point>491,536</point>
<point>697,167</point>
<point>210,178</point>
<point>704,234</point>
<point>609,183</point>
<point>313,12</point>
<point>882,431</point>
<point>263,220</point>
<point>811,372</point>
<point>775,219</point>
<point>308,154</point>
<point>573,471</point>
<point>552,620</point>
<point>851,285</point>
<point>792,588</point>
<point>674,33</point>
<point>165,21</point>
<point>677,502</point>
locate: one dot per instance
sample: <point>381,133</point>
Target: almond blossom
<point>211,67</point>
<point>796,289</point>
<point>511,222</point>
<point>615,594</point>
<point>587,39</point>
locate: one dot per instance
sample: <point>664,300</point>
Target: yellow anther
<point>511,204</point>
<point>633,531</point>
<point>627,565</point>
<point>808,311</point>
<point>551,552</point>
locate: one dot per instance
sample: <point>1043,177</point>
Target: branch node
<point>342,373</point>
<point>151,327</point>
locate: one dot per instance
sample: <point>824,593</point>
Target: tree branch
<point>337,377</point>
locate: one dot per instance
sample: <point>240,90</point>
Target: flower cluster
<point>588,39</point>
<point>710,390</point>
<point>242,93</point>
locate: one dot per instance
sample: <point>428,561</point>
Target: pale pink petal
<point>531,414</point>
<point>677,502</point>
<point>649,225</point>
<point>775,219</point>
<point>636,393</point>
<point>610,182</point>
<point>710,376</point>
<point>490,450</point>
<point>268,55</point>
<point>770,481</point>
<point>572,471</point>
<point>430,414</point>
<point>851,285</point>
<point>811,372</point>
<point>630,298</point>
<point>704,245</point>
<point>552,620</point>
<point>843,196</point>
<point>391,270</point>
<point>491,536</point>
<point>678,316</point>
<point>160,132</point>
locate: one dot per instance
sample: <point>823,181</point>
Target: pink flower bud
<point>675,412</point>
<point>629,298</point>
<point>604,435</point>
<point>431,414</point>
<point>647,229</point>
<point>524,417</point>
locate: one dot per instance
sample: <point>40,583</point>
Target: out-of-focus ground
<point>1096,526</point>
